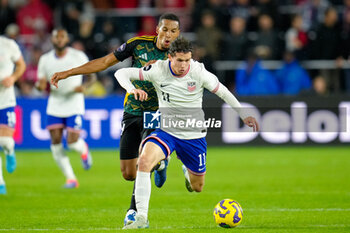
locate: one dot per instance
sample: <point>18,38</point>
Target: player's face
<point>180,62</point>
<point>60,39</point>
<point>168,31</point>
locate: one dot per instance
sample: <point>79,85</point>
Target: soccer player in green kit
<point>142,50</point>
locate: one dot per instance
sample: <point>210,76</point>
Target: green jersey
<point>142,49</point>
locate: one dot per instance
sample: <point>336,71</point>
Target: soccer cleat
<point>86,159</point>
<point>11,163</point>
<point>2,189</point>
<point>187,178</point>
<point>129,217</point>
<point>160,173</point>
<point>139,223</point>
<point>71,184</point>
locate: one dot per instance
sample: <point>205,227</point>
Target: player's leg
<point>161,167</point>
<point>8,145</point>
<point>130,140</point>
<point>193,155</point>
<point>7,125</point>
<point>129,143</point>
<point>55,126</point>
<point>195,181</point>
<point>74,125</point>
<point>2,181</point>
<point>156,147</point>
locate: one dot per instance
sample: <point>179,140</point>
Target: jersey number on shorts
<point>202,159</point>
<point>78,122</point>
<point>11,119</point>
<point>165,96</point>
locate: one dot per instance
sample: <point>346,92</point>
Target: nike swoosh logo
<point>164,85</point>
<point>201,169</point>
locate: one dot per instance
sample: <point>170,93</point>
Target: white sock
<point>8,144</point>
<point>62,161</point>
<point>142,192</point>
<point>1,177</point>
<point>79,146</point>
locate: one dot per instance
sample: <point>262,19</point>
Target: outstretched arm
<point>124,77</point>
<point>88,68</point>
<point>231,100</point>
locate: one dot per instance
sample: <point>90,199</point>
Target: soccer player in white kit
<point>179,82</point>
<point>10,57</point>
<point>65,105</point>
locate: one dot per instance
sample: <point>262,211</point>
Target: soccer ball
<point>228,213</point>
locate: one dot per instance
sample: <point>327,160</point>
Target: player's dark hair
<point>169,16</point>
<point>180,45</point>
<point>56,29</point>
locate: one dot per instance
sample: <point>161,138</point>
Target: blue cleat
<point>71,184</point>
<point>11,163</point>
<point>2,189</point>
<point>160,174</point>
<point>129,217</point>
<point>86,160</point>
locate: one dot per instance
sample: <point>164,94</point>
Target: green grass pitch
<point>285,189</point>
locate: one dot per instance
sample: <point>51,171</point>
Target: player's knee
<point>128,175</point>
<point>145,163</point>
<point>198,188</point>
<point>55,140</point>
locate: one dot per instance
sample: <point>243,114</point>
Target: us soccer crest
<point>191,86</point>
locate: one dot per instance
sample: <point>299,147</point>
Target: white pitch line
<point>178,227</point>
<point>298,209</point>
<point>271,210</point>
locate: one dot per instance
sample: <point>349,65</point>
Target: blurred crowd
<point>236,30</point>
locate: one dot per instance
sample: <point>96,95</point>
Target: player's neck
<point>175,74</point>
<point>159,45</point>
<point>61,53</point>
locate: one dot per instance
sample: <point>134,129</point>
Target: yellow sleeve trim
<point>147,38</point>
<point>126,98</point>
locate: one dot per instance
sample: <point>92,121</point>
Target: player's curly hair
<point>180,45</point>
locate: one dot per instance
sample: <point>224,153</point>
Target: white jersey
<point>180,97</point>
<point>9,54</point>
<point>63,101</point>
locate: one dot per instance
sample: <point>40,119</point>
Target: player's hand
<point>57,77</point>
<point>8,81</point>
<point>139,94</point>
<point>251,122</point>
<point>79,89</point>
<point>150,62</point>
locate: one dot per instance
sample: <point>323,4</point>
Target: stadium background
<point>290,188</point>
<point>228,35</point>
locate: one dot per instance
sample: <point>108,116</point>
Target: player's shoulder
<point>141,39</point>
<point>76,51</point>
<point>77,54</point>
<point>196,66</point>
<point>4,39</point>
<point>48,54</point>
<point>159,65</point>
<point>7,42</point>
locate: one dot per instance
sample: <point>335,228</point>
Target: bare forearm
<point>90,67</point>
<point>20,68</point>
